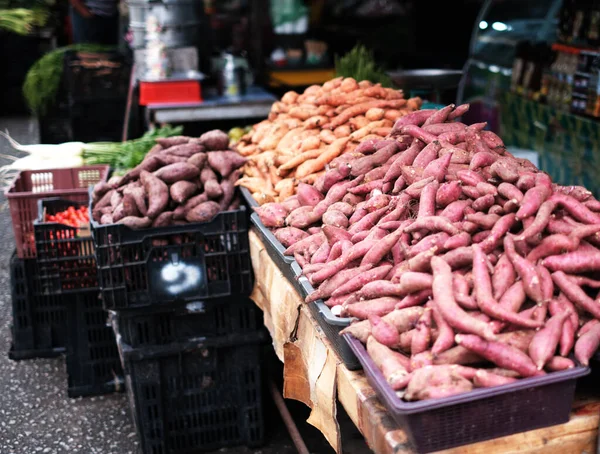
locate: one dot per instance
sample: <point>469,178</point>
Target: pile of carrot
<point>181,180</point>
<point>304,132</point>
<point>463,266</point>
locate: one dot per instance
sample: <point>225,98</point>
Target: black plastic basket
<point>196,400</point>
<point>38,321</point>
<point>66,256</point>
<point>478,415</point>
<point>96,76</point>
<point>204,319</point>
<point>187,263</point>
<point>93,365</point>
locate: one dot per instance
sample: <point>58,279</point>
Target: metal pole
<point>287,419</point>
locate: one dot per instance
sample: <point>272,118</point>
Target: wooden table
<point>315,375</point>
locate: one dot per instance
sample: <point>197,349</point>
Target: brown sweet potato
<point>167,142</point>
<point>163,219</point>
<point>134,222</point>
<point>203,212</point>
<point>177,172</point>
<point>157,192</point>
<point>182,190</point>
<point>225,162</point>
<point>198,160</point>
<point>214,140</point>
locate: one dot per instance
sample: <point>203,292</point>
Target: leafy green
<point>360,64</point>
<point>43,78</point>
<point>22,20</point>
<point>126,155</point>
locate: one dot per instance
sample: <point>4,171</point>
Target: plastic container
<point>93,365</point>
<point>196,400</point>
<point>65,255</point>
<point>165,265</point>
<point>38,321</point>
<point>210,318</point>
<point>170,91</point>
<point>96,75</point>
<point>478,415</point>
<point>33,185</point>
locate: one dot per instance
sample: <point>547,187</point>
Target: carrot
<point>319,163</point>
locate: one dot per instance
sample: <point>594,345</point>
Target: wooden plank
<point>280,302</point>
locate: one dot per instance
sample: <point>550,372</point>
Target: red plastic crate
<point>33,185</point>
<point>165,92</point>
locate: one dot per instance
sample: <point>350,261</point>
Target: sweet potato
<point>198,160</point>
<point>378,306</point>
<point>433,223</point>
<point>135,223</point>
<point>526,271</point>
<point>301,217</point>
<point>579,261</point>
<point>455,316</point>
<point>393,365</point>
<point>357,282</point>
<point>289,235</point>
<point>499,353</point>
<point>383,332</point>
<point>331,177</point>
<point>486,379</point>
<point>447,193</point>
<point>545,342</point>
<point>163,219</point>
<point>225,162</point>
<point>363,165</point>
<point>139,197</point>
<point>575,294</point>
<point>485,299</point>
<point>214,140</point>
<point>422,336</point>
<point>557,363</point>
<point>437,240</point>
<point>437,168</point>
<point>177,172</point>
<point>445,339</point>
<point>203,212</point>
<point>272,215</point>
<point>504,276</point>
<point>182,190</point>
<point>406,158</point>
<point>435,382</point>
<point>149,164</point>
<point>157,192</point>
<point>587,344</point>
<point>506,169</point>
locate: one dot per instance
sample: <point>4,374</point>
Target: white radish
<point>48,151</point>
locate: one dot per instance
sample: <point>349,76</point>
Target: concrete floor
<point>36,416</point>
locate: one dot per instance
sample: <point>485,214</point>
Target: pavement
<point>36,416</point>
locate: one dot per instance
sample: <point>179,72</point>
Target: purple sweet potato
<point>214,140</point>
<point>177,172</point>
<point>157,192</point>
<point>182,190</point>
<point>225,162</point>
<point>204,212</point>
<point>191,203</point>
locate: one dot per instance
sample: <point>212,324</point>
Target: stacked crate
<point>39,316</point>
<point>188,335</point>
<point>67,269</point>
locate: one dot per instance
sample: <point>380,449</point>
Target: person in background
<point>95,21</point>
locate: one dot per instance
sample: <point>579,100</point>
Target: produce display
<point>73,217</point>
<point>181,179</point>
<point>306,132</point>
<point>463,266</point>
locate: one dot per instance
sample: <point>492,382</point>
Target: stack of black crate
<point>188,335</point>
<point>91,100</point>
<point>67,272</point>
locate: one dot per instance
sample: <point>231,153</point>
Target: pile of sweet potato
<point>463,265</point>
<point>181,180</point>
<point>304,132</point>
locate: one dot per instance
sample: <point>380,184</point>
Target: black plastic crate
<point>38,321</point>
<point>93,365</point>
<point>187,263</point>
<point>204,319</point>
<point>202,399</point>
<point>66,256</point>
<point>96,76</point>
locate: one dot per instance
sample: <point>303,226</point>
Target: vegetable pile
<point>305,132</point>
<point>463,265</point>
<point>73,217</point>
<point>181,179</point>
